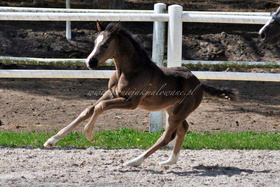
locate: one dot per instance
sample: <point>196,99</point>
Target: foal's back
<point>181,77</point>
<point>170,86</point>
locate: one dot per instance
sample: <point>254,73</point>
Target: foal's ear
<point>116,28</point>
<point>100,27</point>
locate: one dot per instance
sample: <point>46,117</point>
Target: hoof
<point>172,160</point>
<point>48,144</point>
<point>91,139</point>
<point>167,162</point>
<point>134,164</point>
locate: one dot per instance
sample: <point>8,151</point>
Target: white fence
<point>105,74</point>
<point>141,17</point>
<point>175,17</point>
<point>110,62</point>
<point>61,10</point>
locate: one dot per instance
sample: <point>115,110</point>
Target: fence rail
<point>105,74</point>
<point>198,18</point>
<point>230,64</point>
<point>31,16</point>
<point>110,62</point>
<point>47,16</point>
<point>62,10</point>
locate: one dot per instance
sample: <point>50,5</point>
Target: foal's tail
<point>225,93</point>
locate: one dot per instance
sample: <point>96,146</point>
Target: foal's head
<point>104,47</point>
<point>270,32</point>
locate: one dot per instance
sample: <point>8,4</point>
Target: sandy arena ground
<point>99,167</point>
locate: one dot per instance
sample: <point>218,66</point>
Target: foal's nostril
<point>93,63</point>
<point>263,35</point>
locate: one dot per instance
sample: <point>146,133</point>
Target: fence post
<point>68,23</point>
<point>174,48</point>
<point>158,57</point>
<point>175,30</point>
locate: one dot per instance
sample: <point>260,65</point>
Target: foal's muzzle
<point>262,35</point>
<point>92,63</point>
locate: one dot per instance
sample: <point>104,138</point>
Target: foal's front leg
<point>83,116</point>
<point>116,103</point>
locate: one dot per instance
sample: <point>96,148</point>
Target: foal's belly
<point>156,103</point>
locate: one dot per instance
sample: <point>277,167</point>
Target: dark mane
<point>138,47</point>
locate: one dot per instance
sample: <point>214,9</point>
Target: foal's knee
<point>168,138</point>
<point>165,141</point>
<point>87,113</point>
<point>173,135</point>
<point>185,125</point>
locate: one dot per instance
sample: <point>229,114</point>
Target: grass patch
<point>246,140</point>
<point>127,138</point>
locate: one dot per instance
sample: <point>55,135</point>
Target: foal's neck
<point>127,58</point>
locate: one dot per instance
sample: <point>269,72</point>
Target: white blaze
<point>98,42</point>
<point>260,32</point>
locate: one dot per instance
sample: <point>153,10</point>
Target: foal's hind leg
<point>83,116</point>
<point>180,135</point>
<point>167,136</point>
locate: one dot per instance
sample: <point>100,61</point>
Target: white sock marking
<point>172,160</point>
<point>136,161</point>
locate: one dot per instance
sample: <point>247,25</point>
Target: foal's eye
<point>105,45</point>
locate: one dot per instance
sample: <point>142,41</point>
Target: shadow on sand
<point>202,170</point>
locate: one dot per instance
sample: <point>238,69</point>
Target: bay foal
<point>140,83</point>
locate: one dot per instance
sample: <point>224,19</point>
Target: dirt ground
<point>48,104</point>
<point>99,167</point>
